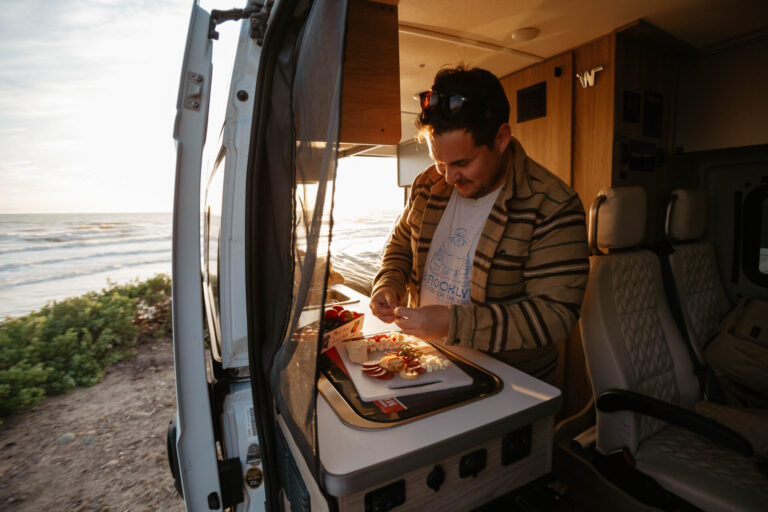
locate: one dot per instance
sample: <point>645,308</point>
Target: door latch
<point>193,90</point>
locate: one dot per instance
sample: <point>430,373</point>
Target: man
<point>490,252</point>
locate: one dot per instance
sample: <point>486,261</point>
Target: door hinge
<point>256,12</point>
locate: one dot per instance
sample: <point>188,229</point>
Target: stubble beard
<point>484,190</point>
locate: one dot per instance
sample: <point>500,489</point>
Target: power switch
<point>472,463</point>
<point>385,498</point>
<point>516,445</point>
<point>436,478</point>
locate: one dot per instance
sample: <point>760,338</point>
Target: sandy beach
<point>101,448</point>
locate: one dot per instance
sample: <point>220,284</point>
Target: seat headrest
<point>617,218</point>
<point>686,215</point>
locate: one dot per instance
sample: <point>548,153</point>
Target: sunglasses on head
<point>449,104</point>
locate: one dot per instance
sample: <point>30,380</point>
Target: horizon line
<point>81,213</point>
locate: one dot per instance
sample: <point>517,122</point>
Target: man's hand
<point>383,304</point>
<point>427,322</point>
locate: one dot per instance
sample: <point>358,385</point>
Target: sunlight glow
<point>366,185</point>
<point>87,103</point>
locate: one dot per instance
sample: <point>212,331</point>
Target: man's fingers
<point>391,300</point>
<point>406,320</point>
<point>403,323</point>
<point>403,312</point>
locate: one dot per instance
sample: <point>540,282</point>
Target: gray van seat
<point>632,343</point>
<point>702,300</point>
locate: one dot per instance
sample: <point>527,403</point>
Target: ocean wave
<point>75,273</point>
<point>14,266</point>
<point>69,236</point>
<point>88,243</point>
<point>99,225</point>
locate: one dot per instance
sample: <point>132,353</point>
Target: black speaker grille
<point>532,102</point>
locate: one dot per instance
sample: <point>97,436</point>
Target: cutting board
<point>371,389</point>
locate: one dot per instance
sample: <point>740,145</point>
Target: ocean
<point>45,257</point>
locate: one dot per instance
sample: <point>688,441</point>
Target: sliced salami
<point>377,372</point>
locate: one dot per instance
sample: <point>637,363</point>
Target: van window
<point>367,201</point>
<point>754,257</point>
<point>211,238</point>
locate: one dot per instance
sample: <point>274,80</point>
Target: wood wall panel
<point>371,88</point>
<point>593,116</point>
<point>548,139</point>
<point>593,119</point>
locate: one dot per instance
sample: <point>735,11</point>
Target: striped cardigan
<point>529,270</point>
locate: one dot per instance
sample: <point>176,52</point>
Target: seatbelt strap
<point>663,251</point>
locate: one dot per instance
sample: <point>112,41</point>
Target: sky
<point>87,104</point>
<point>88,93</point>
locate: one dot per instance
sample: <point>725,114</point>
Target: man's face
<point>474,171</point>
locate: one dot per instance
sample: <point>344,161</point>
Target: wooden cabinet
<point>648,65</point>
<point>370,110</point>
<point>593,118</point>
<point>617,131</point>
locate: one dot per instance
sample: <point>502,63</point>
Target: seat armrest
<point>622,400</point>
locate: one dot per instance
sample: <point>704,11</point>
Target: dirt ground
<point>96,449</point>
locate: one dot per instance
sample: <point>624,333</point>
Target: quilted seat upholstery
<point>694,268</point>
<point>689,465</point>
<point>631,342</point>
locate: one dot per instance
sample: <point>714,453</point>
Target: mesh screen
<point>316,101</point>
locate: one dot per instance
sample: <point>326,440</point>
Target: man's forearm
<point>530,323</point>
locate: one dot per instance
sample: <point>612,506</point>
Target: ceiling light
<point>525,34</point>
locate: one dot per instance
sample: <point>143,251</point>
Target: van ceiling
<point>431,32</point>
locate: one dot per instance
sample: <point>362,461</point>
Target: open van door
<point>191,440</point>
<point>291,171</point>
<point>279,202</point>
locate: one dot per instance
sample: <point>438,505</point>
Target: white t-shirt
<point>447,275</point>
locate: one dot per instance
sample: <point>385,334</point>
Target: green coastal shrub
<point>71,342</point>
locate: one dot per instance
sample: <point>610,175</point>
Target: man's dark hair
<point>485,109</point>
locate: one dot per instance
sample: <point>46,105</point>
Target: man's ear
<point>503,137</point>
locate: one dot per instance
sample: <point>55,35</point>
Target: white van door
<point>195,444</point>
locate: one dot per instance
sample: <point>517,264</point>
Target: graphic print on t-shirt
<point>447,276</point>
<point>449,273</point>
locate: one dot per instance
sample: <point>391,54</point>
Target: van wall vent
<point>532,102</point>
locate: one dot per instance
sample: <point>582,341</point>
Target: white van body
<point>226,452</point>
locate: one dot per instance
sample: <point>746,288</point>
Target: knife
<point>417,385</point>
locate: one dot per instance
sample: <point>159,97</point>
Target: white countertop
<point>345,450</point>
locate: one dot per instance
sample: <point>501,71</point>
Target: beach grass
<point>71,342</point>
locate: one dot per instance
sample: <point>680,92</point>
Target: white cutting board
<point>371,389</point>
